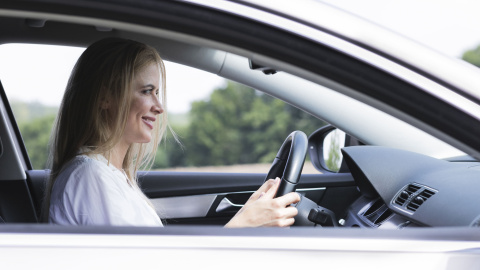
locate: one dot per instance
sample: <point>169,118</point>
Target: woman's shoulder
<point>85,167</point>
<point>82,164</point>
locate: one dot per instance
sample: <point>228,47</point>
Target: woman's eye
<point>147,91</point>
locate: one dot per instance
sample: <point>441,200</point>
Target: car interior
<point>384,181</point>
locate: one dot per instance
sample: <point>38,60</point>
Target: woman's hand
<point>262,209</point>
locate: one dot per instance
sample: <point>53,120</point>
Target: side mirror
<point>332,155</point>
<point>324,146</point>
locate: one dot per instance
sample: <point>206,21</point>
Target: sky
<point>450,27</point>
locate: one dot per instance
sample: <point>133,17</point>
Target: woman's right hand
<point>262,209</point>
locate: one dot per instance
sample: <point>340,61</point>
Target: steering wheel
<point>288,163</point>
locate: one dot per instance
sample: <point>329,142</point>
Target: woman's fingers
<point>285,217</point>
<point>288,212</point>
<point>273,189</point>
<point>281,223</point>
<point>288,199</point>
<point>263,189</point>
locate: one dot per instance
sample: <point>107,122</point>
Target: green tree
<point>216,131</point>
<point>36,135</point>
<point>35,121</point>
<point>170,153</point>
<point>28,111</point>
<point>472,56</point>
<point>238,125</point>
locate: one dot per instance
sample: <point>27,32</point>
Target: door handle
<point>226,205</point>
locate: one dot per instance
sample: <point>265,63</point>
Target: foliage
<point>170,153</point>
<point>29,111</point>
<point>472,56</point>
<point>239,125</point>
<point>36,134</point>
<point>35,122</point>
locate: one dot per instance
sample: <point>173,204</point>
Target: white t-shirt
<point>89,191</point>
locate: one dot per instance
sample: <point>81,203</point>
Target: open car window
<point>221,125</point>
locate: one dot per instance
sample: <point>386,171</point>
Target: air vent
<point>420,199</point>
<point>383,217</point>
<point>412,196</point>
<point>375,207</point>
<point>376,213</point>
<point>405,194</point>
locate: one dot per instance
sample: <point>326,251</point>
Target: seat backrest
<point>36,180</point>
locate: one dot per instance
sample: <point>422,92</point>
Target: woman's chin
<point>144,140</point>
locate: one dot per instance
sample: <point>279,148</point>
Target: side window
<point>34,78</point>
<point>222,126</point>
<point>235,129</point>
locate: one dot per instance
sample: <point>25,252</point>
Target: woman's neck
<point>117,155</point>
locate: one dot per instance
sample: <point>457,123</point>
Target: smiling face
<point>145,106</point>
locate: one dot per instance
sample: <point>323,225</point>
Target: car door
<point>328,63</point>
<point>429,248</point>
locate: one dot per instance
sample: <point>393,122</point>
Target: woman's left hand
<point>262,209</point>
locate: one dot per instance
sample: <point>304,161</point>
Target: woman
<point>111,120</point>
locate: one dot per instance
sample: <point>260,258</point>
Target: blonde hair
<point>105,71</point>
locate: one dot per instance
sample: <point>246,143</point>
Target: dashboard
<point>405,189</point>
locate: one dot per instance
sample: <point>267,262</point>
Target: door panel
<point>169,184</point>
<point>213,198</point>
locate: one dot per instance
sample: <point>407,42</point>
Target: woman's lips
<point>148,121</point>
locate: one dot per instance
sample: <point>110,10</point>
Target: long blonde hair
<point>105,71</point>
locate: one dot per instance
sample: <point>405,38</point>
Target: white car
<point>406,193</point>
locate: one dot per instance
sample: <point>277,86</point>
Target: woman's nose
<point>157,106</point>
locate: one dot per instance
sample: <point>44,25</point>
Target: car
<point>403,192</point>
